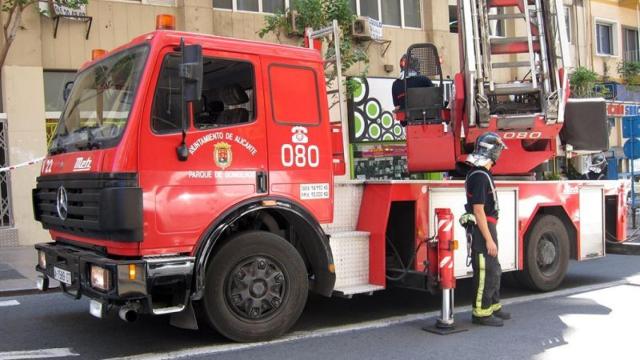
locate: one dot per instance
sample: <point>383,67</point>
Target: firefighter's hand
<point>492,249</point>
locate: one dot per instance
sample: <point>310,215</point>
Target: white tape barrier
<point>30,162</point>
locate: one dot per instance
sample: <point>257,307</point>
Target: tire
<point>256,287</point>
<point>546,255</point>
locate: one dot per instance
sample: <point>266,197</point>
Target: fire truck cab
<point>141,201</point>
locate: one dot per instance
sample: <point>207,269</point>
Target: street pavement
<point>593,315</point>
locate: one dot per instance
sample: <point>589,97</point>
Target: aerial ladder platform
<point>514,83</point>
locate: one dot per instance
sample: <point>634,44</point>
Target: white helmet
<point>487,150</point>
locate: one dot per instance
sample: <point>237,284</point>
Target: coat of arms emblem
<point>222,155</point>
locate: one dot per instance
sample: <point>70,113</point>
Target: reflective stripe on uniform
<point>496,307</point>
<point>478,310</point>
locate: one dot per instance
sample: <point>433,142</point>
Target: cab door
<point>226,140</point>
<point>297,121</point>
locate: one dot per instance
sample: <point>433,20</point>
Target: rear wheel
<point>256,287</point>
<point>546,254</point>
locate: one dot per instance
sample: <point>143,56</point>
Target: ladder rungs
<point>511,64</point>
<point>506,16</point>
<point>514,89</point>
<point>506,3</point>
<point>513,48</point>
<point>511,40</point>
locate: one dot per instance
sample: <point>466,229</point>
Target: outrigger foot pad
<point>444,329</point>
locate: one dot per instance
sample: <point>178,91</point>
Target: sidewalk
<point>17,269</point>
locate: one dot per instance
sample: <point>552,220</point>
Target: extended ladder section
<point>333,34</point>
<point>528,39</point>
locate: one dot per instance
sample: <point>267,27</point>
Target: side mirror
<point>191,72</point>
<point>67,90</point>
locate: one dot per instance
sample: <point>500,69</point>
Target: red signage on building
<point>615,110</point>
<point>619,110</point>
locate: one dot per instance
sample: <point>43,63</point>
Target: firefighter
<point>409,69</point>
<point>597,167</point>
<point>482,204</point>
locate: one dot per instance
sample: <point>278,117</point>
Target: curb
<point>27,291</point>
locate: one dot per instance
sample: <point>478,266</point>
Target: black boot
<point>502,314</point>
<point>487,321</point>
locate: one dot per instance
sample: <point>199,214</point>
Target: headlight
<point>100,278</point>
<point>42,259</point>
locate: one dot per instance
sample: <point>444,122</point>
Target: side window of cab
<point>228,95</point>
<point>167,102</point>
<point>290,104</point>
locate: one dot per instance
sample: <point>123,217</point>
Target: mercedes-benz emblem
<point>62,203</point>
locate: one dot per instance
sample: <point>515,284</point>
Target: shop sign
<point>375,26</point>
<point>630,127</point>
<point>60,9</point>
<point>620,110</point>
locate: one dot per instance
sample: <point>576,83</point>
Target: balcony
<point>617,92</point>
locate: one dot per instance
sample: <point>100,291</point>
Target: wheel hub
<point>255,288</point>
<point>547,253</point>
<point>258,289</point>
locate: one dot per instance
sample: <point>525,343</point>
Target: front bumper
<point>160,285</point>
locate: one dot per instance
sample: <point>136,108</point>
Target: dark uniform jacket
<point>480,189</point>
<point>413,82</point>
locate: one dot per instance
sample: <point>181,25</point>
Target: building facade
<point>48,51</point>
<point>608,40</point>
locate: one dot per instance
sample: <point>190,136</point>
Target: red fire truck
<point>198,174</point>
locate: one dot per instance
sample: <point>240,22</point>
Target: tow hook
<point>42,283</point>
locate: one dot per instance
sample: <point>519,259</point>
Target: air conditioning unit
<point>365,28</point>
<point>360,28</point>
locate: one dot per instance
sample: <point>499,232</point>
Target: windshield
<point>99,103</point>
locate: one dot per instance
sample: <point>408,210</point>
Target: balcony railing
<point>618,92</point>
<point>608,91</point>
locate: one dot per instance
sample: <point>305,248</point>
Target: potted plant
<point>629,71</point>
<point>583,82</point>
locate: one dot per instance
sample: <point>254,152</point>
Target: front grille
<point>90,210</point>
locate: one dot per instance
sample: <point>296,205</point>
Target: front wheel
<point>546,254</point>
<point>256,287</point>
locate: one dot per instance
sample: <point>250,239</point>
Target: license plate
<point>61,275</point>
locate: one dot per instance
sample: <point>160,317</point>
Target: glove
<point>467,219</point>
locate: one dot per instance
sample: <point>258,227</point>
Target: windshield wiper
<point>93,144</point>
<point>90,143</point>
<point>86,127</point>
<point>57,150</point>
<point>56,147</point>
